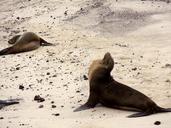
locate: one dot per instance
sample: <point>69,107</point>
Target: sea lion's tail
<point>45,43</point>
<point>151,111</point>
<point>6,51</point>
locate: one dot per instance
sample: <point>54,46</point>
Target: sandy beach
<point>136,33</point>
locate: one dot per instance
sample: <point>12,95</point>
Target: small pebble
<point>57,114</point>
<point>21,87</point>
<point>157,123</point>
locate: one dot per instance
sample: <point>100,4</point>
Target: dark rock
<point>65,13</point>
<point>85,77</point>
<point>57,114</point>
<point>41,106</point>
<point>1,118</point>
<point>77,91</point>
<point>53,106</point>
<point>21,87</point>
<point>39,99</point>
<point>134,69</point>
<point>157,123</point>
<point>17,68</point>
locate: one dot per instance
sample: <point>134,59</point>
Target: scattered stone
<point>65,13</point>
<point>134,69</point>
<point>61,61</point>
<point>1,118</point>
<point>157,123</point>
<point>41,106</point>
<point>79,101</point>
<point>85,77</point>
<point>21,87</point>
<point>17,68</point>
<point>168,66</point>
<point>168,81</point>
<point>54,76</point>
<point>77,91</point>
<point>53,106</point>
<point>39,99</point>
<point>57,114</point>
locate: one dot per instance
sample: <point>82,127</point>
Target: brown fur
<point>105,90</point>
<point>22,43</point>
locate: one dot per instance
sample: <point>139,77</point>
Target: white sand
<point>136,33</point>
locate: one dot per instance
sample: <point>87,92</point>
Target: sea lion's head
<point>99,68</point>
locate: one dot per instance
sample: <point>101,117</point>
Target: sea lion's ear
<point>108,61</point>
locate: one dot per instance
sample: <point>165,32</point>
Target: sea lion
<point>23,43</point>
<point>105,90</point>
<point>4,103</point>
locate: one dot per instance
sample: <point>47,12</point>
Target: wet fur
<point>22,43</point>
<point>105,90</point>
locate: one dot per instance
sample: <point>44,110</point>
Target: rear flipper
<point>157,110</point>
<point>45,43</point>
<point>165,110</point>
<point>4,103</point>
<point>6,51</point>
<point>139,114</point>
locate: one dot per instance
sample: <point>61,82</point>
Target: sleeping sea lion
<point>105,90</point>
<point>4,103</point>
<point>23,43</point>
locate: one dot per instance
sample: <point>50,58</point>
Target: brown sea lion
<point>23,43</point>
<point>105,90</point>
<point>4,103</point>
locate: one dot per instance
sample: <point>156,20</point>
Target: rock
<point>134,69</point>
<point>17,68</point>
<point>57,114</point>
<point>21,87</point>
<point>85,77</point>
<point>53,106</point>
<point>41,106</point>
<point>39,99</point>
<point>1,118</point>
<point>157,123</point>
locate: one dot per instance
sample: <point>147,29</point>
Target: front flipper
<point>4,103</point>
<point>91,103</point>
<point>82,107</point>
